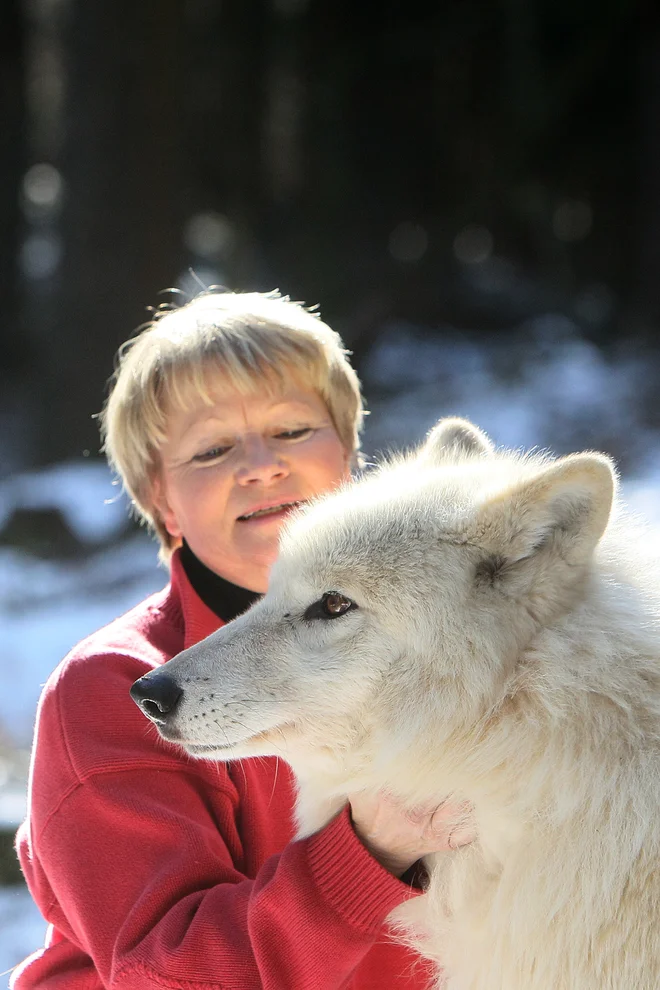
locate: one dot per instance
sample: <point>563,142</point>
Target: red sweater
<point>158,871</point>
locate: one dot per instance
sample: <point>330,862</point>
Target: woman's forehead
<point>221,403</point>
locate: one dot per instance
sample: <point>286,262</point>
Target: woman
<point>154,871</point>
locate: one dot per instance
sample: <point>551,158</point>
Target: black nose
<point>157,694</point>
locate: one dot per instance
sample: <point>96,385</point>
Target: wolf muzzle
<point>157,695</point>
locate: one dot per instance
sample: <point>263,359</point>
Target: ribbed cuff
<point>351,880</point>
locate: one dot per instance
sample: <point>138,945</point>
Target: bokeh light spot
<point>473,244</point>
<point>209,234</point>
<point>42,188</point>
<point>408,242</point>
<point>572,220</point>
<point>40,255</point>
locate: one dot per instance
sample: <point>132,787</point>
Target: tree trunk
<point>120,223</point>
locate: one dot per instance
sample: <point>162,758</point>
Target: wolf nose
<point>157,694</point>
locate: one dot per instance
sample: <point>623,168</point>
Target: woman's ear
<point>162,505</point>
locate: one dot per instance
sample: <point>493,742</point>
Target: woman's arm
<point>133,855</point>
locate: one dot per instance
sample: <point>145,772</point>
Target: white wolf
<point>469,622</point>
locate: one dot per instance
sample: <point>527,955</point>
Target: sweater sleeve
<point>136,865</point>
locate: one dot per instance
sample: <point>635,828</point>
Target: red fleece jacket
<point>158,871</point>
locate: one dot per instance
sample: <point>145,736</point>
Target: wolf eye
<point>330,606</point>
<point>335,604</point>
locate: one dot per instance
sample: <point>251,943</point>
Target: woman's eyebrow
<point>217,421</point>
<point>199,427</point>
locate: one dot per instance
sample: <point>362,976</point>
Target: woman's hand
<point>397,837</point>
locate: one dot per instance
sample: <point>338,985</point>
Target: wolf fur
<point>501,648</point>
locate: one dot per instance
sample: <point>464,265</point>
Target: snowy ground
<point>560,393</point>
<point>21,929</point>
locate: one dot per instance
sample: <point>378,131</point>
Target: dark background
<point>463,164</point>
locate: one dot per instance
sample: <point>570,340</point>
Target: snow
<point>22,929</point>
<point>546,387</point>
<point>84,492</point>
<point>49,606</point>
<point>560,392</point>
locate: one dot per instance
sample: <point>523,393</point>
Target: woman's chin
<point>259,556</point>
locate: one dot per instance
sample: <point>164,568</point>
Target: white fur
<point>505,651</point>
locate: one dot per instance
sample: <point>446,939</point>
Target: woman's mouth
<point>272,510</point>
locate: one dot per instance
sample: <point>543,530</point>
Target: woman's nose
<point>261,463</point>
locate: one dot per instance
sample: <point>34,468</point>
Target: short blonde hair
<point>254,340</point>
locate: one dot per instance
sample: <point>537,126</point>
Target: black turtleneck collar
<point>227,600</point>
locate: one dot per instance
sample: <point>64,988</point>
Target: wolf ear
<point>564,509</point>
<point>452,438</point>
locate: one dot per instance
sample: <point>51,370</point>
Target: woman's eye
<point>294,434</point>
<point>212,454</point>
<point>216,453</point>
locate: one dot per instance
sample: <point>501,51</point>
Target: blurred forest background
<point>470,189</point>
<point>468,163</point>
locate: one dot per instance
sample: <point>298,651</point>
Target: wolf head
<point>398,608</point>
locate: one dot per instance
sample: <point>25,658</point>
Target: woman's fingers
<point>398,836</point>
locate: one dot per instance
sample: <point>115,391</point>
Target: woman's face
<point>230,473</point>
